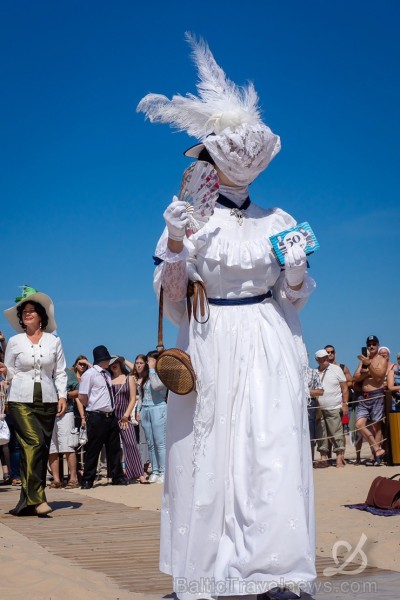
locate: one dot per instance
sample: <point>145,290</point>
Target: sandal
<point>72,485</point>
<point>379,455</point>
<point>55,485</point>
<point>145,482</point>
<point>322,464</point>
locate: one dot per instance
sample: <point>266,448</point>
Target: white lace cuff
<point>174,257</point>
<point>306,289</point>
<point>164,253</point>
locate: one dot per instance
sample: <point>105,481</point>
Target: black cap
<point>100,353</point>
<point>372,338</point>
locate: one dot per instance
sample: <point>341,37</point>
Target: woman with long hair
<point>80,366</point>
<point>140,372</point>
<point>124,389</point>
<point>153,413</point>
<point>34,364</point>
<point>74,417</point>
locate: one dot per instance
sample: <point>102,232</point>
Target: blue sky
<point>84,179</point>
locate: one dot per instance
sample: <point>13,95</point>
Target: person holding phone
<point>371,375</point>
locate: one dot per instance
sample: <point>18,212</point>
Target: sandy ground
<point>29,571</point>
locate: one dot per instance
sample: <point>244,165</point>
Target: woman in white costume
<point>238,514</point>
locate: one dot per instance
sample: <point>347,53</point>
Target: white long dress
<point>238,513</point>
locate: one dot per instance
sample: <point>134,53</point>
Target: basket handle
<point>160,344</point>
<point>196,288</point>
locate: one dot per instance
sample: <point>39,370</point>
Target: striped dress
<point>134,467</point>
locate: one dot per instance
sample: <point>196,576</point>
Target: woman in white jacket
<point>34,365</point>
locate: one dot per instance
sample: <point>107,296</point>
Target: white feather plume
<point>221,103</point>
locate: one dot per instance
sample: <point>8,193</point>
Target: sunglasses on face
<point>371,345</point>
<point>82,364</point>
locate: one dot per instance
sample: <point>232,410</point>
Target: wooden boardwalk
<point>114,539</point>
<point>119,541</point>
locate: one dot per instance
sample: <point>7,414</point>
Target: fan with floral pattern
<point>199,189</point>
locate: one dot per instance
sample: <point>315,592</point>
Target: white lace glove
<point>176,218</point>
<point>295,265</point>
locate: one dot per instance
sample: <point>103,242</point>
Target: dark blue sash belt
<point>240,301</point>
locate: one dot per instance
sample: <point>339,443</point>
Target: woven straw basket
<point>175,371</point>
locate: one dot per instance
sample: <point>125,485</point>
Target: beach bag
<point>73,438</point>
<point>133,420</point>
<point>83,438</point>
<point>174,366</point>
<point>384,493</point>
<point>4,430</point>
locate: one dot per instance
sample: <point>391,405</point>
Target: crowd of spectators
<point>355,404</point>
<point>339,403</point>
<point>140,407</point>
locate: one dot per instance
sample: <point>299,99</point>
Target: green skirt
<point>33,422</point>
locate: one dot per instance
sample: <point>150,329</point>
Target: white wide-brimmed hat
<point>224,117</point>
<point>29,294</point>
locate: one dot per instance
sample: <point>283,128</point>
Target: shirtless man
<point>371,373</point>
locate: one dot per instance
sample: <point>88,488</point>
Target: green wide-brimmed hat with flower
<point>30,294</point>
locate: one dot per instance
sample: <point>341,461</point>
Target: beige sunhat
<point>29,294</point>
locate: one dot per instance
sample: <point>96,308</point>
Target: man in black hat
<point>95,393</point>
<point>370,375</point>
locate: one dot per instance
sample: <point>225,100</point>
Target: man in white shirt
<point>334,399</point>
<point>315,390</point>
<point>95,393</point>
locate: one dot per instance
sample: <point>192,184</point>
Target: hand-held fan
<point>199,189</point>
